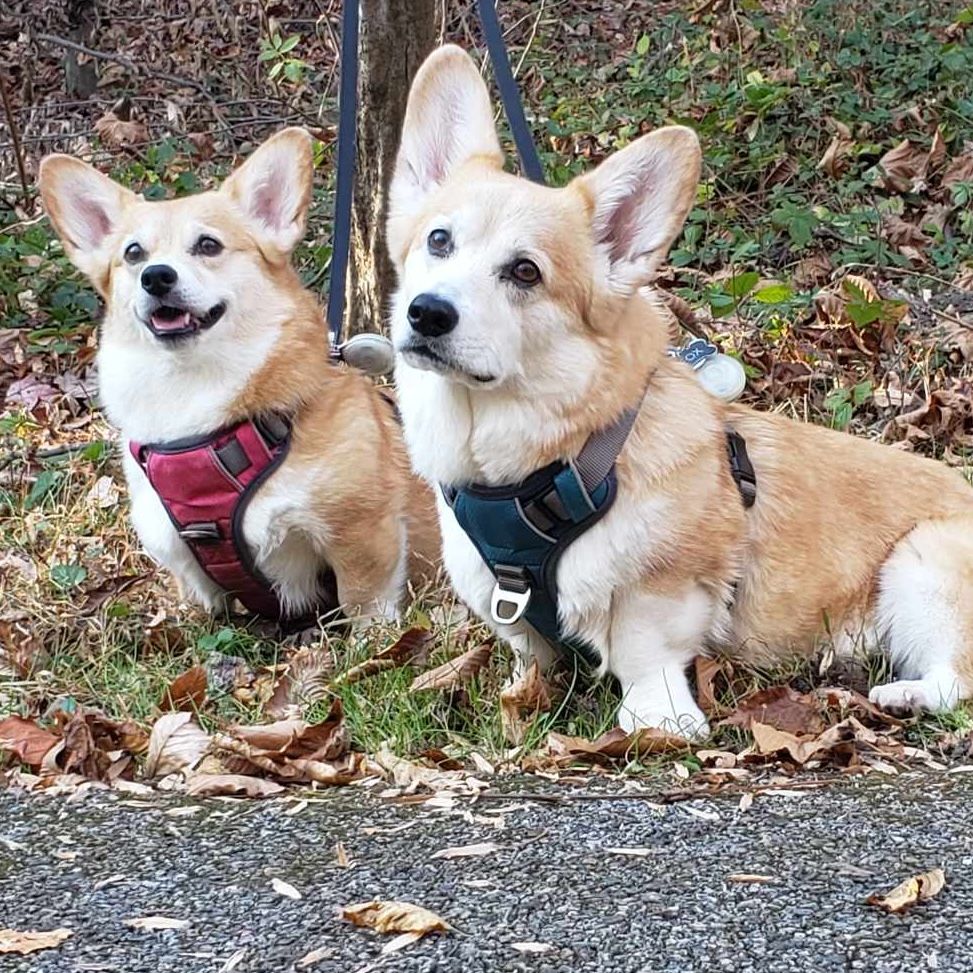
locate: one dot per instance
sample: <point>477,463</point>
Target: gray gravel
<point>553,881</point>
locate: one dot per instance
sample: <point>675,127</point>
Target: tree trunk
<point>396,36</point>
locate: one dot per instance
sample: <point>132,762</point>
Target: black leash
<point>345,188</point>
<point>509,93</point>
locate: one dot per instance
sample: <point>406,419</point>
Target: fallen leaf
<point>780,707</point>
<point>186,692</point>
<point>304,682</point>
<point>156,923</point>
<point>105,591</point>
<point>216,785</point>
<point>286,889</point>
<point>411,648</point>
<point>113,130</point>
<point>532,947</point>
<point>745,878</point>
<point>314,957</point>
<point>960,169</point>
<point>394,917</point>
<point>176,743</point>
<point>835,159</point>
<point>630,852</point>
<point>616,744</point>
<point>919,888</point>
<point>901,166</point>
<point>401,942</point>
<point>25,740</point>
<point>29,392</point>
<point>468,851</point>
<point>707,669</point>
<point>528,695</point>
<point>23,943</point>
<point>454,673</point>
<point>769,739</point>
<point>341,857</point>
<point>234,961</point>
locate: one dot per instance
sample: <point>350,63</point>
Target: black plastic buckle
<point>741,468</point>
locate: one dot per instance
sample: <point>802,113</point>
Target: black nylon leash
<point>345,180</point>
<point>509,93</point>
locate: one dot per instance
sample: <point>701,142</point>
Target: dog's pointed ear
<point>641,198</point>
<point>448,121</point>
<point>273,187</point>
<point>85,208</point>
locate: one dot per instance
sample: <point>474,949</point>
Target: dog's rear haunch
<point>523,323</point>
<point>207,326</point>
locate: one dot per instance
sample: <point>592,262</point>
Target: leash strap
<point>345,188</point>
<point>509,94</point>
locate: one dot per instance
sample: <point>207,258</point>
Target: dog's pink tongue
<point>167,323</point>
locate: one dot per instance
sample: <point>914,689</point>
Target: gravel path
<point>90,864</point>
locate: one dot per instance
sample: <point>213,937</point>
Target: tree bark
<point>396,36</point>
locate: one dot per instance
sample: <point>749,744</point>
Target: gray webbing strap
<point>599,453</point>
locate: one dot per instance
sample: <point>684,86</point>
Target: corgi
<point>206,324</point>
<point>524,323</point>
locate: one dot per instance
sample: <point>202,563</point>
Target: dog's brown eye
<point>525,273</point>
<point>134,253</point>
<point>439,242</point>
<point>207,246</point>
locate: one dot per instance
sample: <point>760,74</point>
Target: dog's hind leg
<point>653,639</point>
<point>925,611</point>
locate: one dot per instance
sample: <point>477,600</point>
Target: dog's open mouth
<point>169,322</point>
<point>423,351</point>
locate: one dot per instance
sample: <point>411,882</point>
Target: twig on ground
<point>15,138</point>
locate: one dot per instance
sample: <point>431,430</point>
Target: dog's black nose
<point>432,316</point>
<point>159,279</point>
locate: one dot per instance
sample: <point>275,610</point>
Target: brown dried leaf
<point>397,917</point>
<point>770,740</point>
<point>411,648</point>
<point>919,888</point>
<point>528,695</point>
<point>113,130</point>
<point>468,851</point>
<point>901,233</point>
<point>834,161</point>
<point>25,740</point>
<point>454,673</point>
<point>781,708</point>
<point>155,923</point>
<point>616,744</point>
<point>303,683</point>
<point>186,692</point>
<point>217,785</point>
<point>901,166</point>
<point>176,743</point>
<point>23,943</point>
<point>960,169</point>
<point>707,670</point>
<point>812,271</point>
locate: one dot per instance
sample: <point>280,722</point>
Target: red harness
<point>205,485</point>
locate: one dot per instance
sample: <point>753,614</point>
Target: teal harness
<point>521,531</point>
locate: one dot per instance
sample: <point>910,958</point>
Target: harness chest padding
<point>528,527</point>
<point>206,485</point>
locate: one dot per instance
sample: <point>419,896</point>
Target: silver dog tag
<point>372,354</point>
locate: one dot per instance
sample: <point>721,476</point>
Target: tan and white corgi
<point>523,323</point>
<point>207,324</point>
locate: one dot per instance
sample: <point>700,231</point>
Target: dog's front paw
<point>909,696</point>
<point>688,721</point>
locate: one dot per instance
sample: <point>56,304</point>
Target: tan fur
<point>347,454</point>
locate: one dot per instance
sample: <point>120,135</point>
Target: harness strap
<point>513,108</point>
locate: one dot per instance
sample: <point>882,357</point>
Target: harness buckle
<point>205,532</point>
<point>511,594</point>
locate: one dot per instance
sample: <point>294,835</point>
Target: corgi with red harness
<point>257,468</point>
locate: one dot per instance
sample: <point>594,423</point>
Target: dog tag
<point>370,353</point>
<point>721,375</point>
